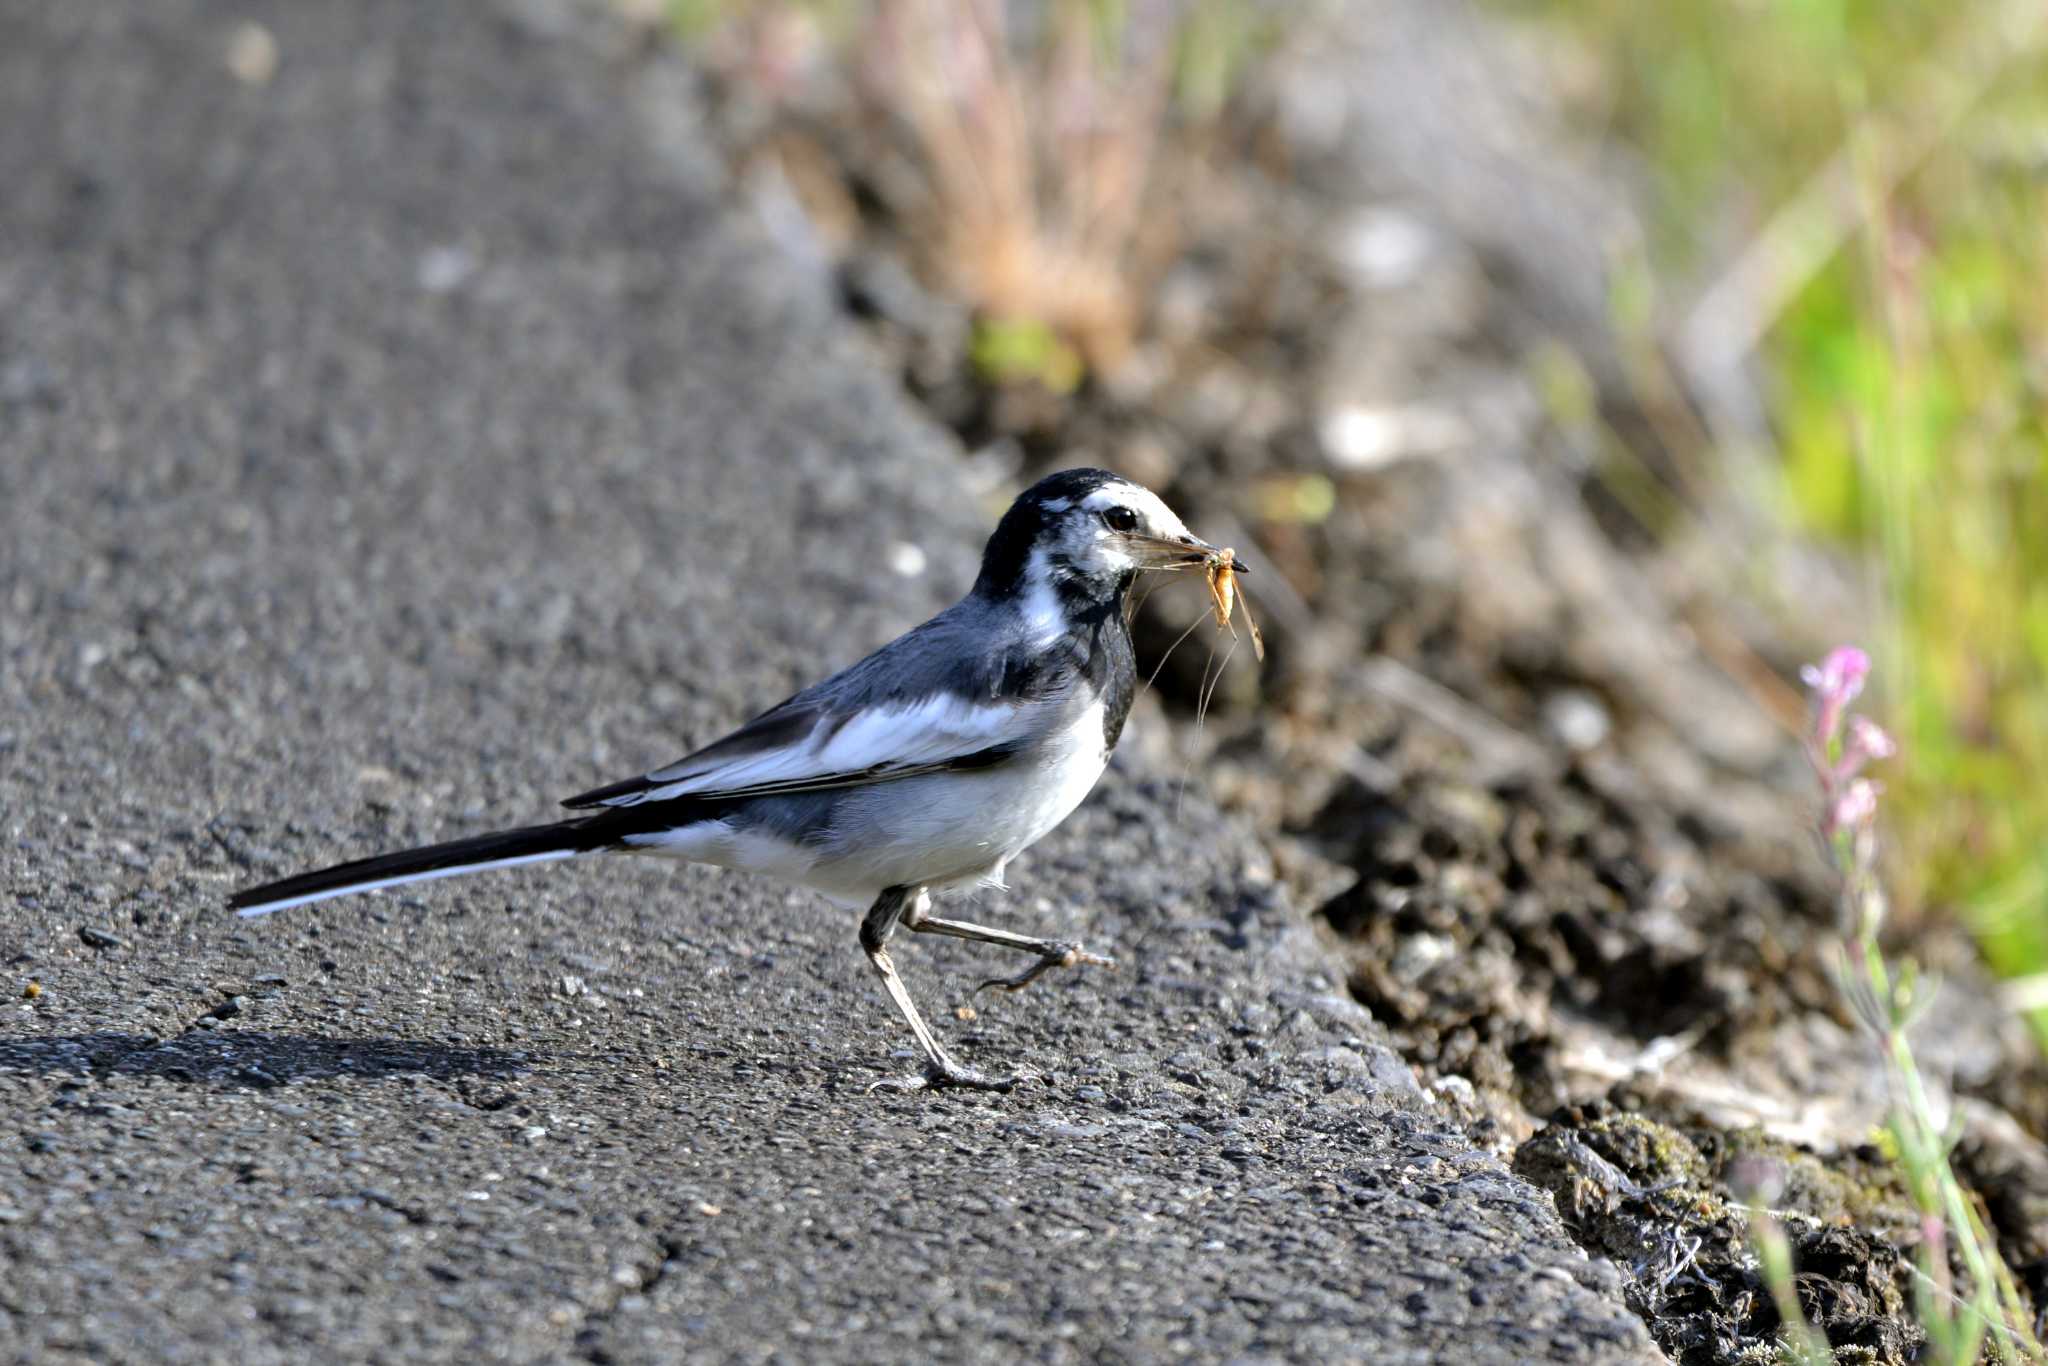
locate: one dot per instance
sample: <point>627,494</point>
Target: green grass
<point>1908,369</point>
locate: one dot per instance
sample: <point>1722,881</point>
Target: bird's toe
<point>1061,955</point>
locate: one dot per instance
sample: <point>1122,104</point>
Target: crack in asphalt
<point>589,1334</point>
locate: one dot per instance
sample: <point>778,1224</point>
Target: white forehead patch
<point>1158,517</point>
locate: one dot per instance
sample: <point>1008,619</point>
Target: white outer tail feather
<point>265,908</point>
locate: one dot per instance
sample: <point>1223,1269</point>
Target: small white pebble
<point>252,54</point>
<point>906,559</point>
<point>1382,248</point>
<point>1357,437</point>
<point>1577,719</point>
<point>442,269</point>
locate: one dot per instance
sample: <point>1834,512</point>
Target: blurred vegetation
<point>1883,165</point>
<point>1038,134</point>
<point>1855,186</point>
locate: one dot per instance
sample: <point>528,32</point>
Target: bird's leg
<point>1052,953</point>
<point>940,1069</point>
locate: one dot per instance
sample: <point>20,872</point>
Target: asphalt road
<point>396,436</point>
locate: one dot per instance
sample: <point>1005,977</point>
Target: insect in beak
<point>1222,568</point>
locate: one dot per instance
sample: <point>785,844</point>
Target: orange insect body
<point>1222,589</point>
<point>1222,570</point>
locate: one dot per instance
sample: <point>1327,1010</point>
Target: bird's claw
<point>1063,956</point>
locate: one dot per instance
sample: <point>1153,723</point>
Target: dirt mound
<point>1518,736</point>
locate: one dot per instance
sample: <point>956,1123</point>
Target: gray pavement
<point>393,446</point>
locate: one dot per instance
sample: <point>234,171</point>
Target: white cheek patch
<point>1092,547</point>
<point>1043,618</point>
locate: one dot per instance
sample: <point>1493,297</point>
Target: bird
<point>924,768</point>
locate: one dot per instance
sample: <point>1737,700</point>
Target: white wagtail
<point>930,764</point>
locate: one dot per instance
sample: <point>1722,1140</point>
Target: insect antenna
<point>1210,683</point>
<point>1131,609</point>
<point>1204,694</point>
<point>1156,668</point>
<point>1258,641</point>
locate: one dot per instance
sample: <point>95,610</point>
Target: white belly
<point>954,828</point>
<point>936,831</point>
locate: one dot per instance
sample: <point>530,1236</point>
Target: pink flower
<point>1835,681</point>
<point>1867,741</point>
<point>1853,808</point>
<point>1839,677</point>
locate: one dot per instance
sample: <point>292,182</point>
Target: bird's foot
<point>950,1075</point>
<point>1059,955</point>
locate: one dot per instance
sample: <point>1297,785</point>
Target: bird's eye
<point>1120,519</point>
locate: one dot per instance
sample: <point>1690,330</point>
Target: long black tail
<point>501,849</point>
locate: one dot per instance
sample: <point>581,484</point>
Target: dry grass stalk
<point>1037,166</point>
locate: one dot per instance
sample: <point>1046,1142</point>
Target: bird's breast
<point>1068,765</point>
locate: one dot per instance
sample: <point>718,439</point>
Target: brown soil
<point>1524,748</point>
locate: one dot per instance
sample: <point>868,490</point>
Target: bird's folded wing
<point>801,748</point>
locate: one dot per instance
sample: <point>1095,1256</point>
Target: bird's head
<point>1084,534</point>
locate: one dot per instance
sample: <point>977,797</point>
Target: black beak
<point>1177,552</point>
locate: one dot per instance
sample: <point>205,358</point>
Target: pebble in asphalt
<point>398,431</point>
